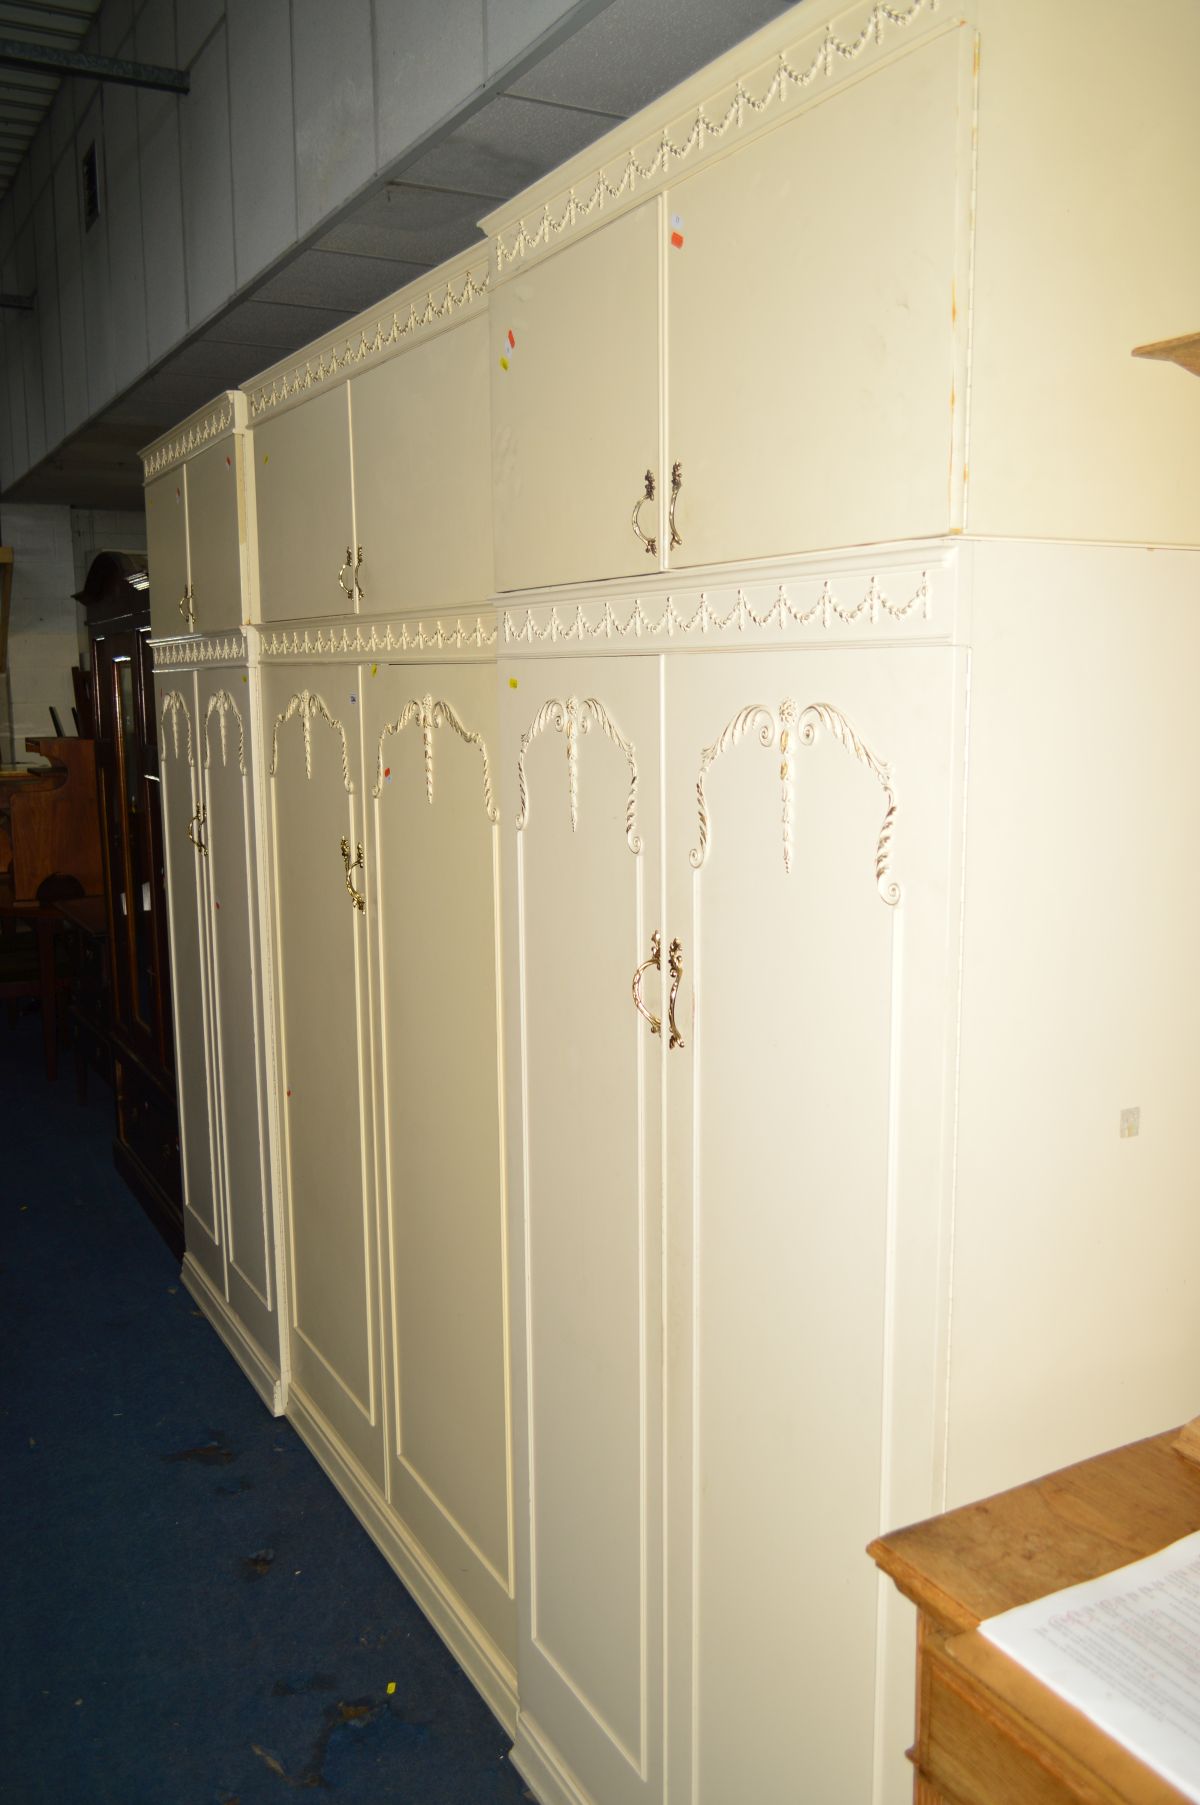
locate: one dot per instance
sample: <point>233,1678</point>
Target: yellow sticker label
<point>512,683</point>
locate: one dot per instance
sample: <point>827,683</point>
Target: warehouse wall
<point>295,107</point>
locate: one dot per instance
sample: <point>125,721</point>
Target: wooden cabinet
<point>771,343</point>
<point>146,1147</point>
<point>197,524</point>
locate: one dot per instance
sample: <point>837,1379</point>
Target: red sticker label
<point>512,342</point>
<point>677,240</point>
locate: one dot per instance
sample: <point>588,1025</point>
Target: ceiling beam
<point>15,54</point>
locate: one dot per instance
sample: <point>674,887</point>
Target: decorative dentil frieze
<point>309,707</point>
<point>191,437</point>
<point>601,621</point>
<point>338,358</point>
<point>766,90</point>
<point>226,648</point>
<point>429,715</point>
<point>768,726</point>
<point>573,718</point>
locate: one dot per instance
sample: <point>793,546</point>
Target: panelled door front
<point>809,885</point>
<point>232,876</point>
<point>217,539</point>
<point>306,546</point>
<point>430,738</point>
<point>321,896</point>
<point>576,408</point>
<point>185,841</point>
<point>167,553</point>
<point>811,369</point>
<point>582,807</point>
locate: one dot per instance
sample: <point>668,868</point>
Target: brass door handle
<point>654,960</point>
<point>651,543</point>
<point>352,566</point>
<point>675,968</point>
<point>197,821</point>
<point>187,607</point>
<point>356,896</point>
<point>676,486</point>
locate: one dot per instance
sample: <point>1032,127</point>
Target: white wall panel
<point>116,23</point>
<point>70,293</point>
<point>46,256</point>
<point>261,129</point>
<point>93,246</point>
<point>162,196</point>
<point>126,254</point>
<point>62,121</point>
<point>195,20</point>
<point>207,184</point>
<point>335,107</point>
<point>39,158</point>
<point>28,336</point>
<point>513,25</point>
<point>428,55</point>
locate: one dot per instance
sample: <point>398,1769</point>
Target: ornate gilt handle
<point>187,607</point>
<point>197,822</point>
<point>675,967</point>
<point>357,897</point>
<point>654,960</point>
<point>651,543</point>
<point>351,567</point>
<point>676,486</point>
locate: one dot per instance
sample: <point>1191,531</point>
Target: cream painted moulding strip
<point>221,648</point>
<point>786,67</point>
<point>218,419</point>
<point>430,305</point>
<point>411,638</point>
<point>887,595</point>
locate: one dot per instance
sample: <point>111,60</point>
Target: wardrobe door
<point>430,765</point>
<point>582,822</point>
<point>217,534</point>
<point>167,553</point>
<point>576,406</point>
<point>316,814</point>
<point>422,473</point>
<point>811,321</point>
<point>305,508</point>
<point>810,886</point>
<point>233,878</point>
<point>185,840</point>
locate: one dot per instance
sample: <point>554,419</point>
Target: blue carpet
<point>191,1615</point>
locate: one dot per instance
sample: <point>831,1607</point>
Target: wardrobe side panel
<point>1075,1324</point>
<point>1089,139</point>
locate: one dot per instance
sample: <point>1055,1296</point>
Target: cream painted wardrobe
<point>718,663</point>
<point>201,592</point>
<point>372,476</point>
